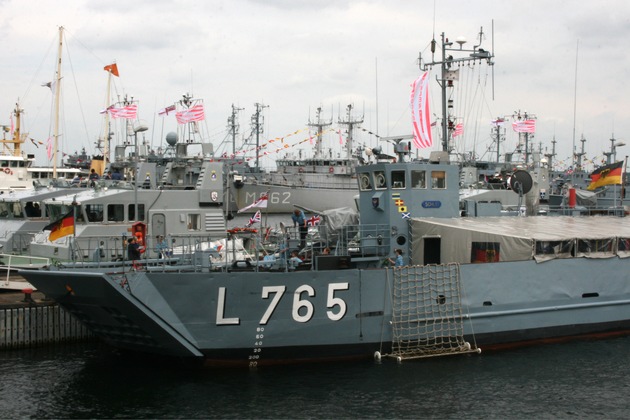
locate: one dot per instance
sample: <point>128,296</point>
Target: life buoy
<point>301,170</point>
<point>331,169</point>
<point>7,171</point>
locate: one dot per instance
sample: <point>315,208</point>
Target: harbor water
<point>581,379</point>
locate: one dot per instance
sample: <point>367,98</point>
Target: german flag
<point>606,175</point>
<point>62,227</point>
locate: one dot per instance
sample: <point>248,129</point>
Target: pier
<point>28,319</point>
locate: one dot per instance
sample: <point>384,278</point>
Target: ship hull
<point>283,199</point>
<point>256,318</point>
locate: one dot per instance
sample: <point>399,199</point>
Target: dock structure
<point>28,319</point>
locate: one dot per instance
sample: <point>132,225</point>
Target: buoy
<point>377,356</point>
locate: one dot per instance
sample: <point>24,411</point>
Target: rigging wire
<point>76,87</point>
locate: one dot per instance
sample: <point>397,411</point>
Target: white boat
<point>18,170</point>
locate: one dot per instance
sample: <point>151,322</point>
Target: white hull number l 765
<point>302,310</point>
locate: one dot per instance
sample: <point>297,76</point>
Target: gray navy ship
<point>420,273</point>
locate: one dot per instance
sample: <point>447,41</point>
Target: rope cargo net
<point>427,312</point>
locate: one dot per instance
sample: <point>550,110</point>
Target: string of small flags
<point>272,142</point>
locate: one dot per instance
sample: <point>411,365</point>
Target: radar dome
<point>171,138</point>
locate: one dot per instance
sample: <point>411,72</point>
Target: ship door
<point>158,224</point>
<point>432,250</point>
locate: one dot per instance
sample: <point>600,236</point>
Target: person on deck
<point>147,182</point>
<point>398,261</point>
<point>161,246</point>
<point>300,220</point>
<point>294,261</point>
<point>133,249</point>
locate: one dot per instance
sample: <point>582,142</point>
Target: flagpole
<point>623,180</point>
<point>74,227</point>
<point>57,92</point>
<point>264,228</point>
<point>107,128</point>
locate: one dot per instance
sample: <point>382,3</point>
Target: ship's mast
<point>16,139</point>
<point>257,127</point>
<point>524,138</point>
<point>319,125</point>
<point>611,157</point>
<point>578,156</point>
<point>449,75</point>
<point>57,90</point>
<point>551,155</point>
<point>498,133</point>
<point>233,126</point>
<point>350,122</point>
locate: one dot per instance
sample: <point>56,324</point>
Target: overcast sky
<point>294,56</point>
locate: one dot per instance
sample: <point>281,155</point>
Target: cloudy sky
<point>561,61</point>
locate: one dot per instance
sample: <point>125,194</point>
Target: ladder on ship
<point>427,315</point>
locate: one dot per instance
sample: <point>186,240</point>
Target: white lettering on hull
<point>221,310</point>
<point>276,197</point>
<point>302,309</point>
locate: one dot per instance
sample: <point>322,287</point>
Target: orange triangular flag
<point>113,69</point>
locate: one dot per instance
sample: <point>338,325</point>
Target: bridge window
<point>438,180</point>
<point>365,182</point>
<point>32,209</point>
<point>132,212</point>
<point>398,179</point>
<point>94,212</point>
<point>115,212</point>
<point>418,179</point>
<point>380,180</point>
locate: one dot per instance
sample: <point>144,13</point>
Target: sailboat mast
<point>57,97</point>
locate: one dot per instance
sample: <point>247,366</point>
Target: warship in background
<point>320,181</point>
